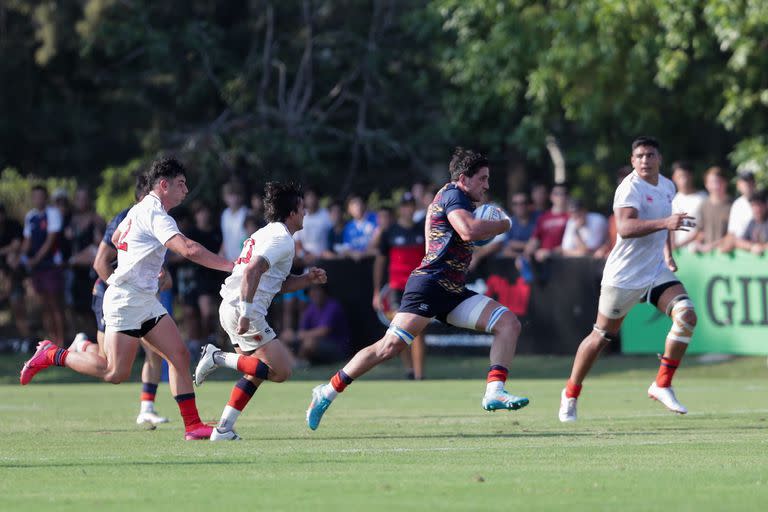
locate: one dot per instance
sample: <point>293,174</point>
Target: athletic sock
<point>57,356</point>
<point>252,366</point>
<point>148,391</point>
<point>338,383</point>
<point>667,369</point>
<point>497,376</point>
<point>572,390</point>
<point>188,410</point>
<point>238,399</point>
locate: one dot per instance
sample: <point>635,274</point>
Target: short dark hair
<point>682,165</point>
<point>758,196</point>
<point>141,188</point>
<point>645,140</point>
<point>164,168</point>
<point>466,162</point>
<point>716,171</point>
<point>280,200</point>
<point>41,188</point>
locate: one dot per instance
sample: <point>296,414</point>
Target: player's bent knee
<point>507,325</point>
<point>117,376</point>
<point>684,319</point>
<point>280,374</point>
<point>389,347</point>
<point>603,337</point>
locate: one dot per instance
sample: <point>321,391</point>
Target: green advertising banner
<point>729,291</point>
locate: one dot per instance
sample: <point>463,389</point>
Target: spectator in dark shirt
<point>336,246</point>
<point>323,335</point>
<point>83,234</point>
<point>402,248</point>
<point>199,286</point>
<point>12,274</point>
<point>40,250</point>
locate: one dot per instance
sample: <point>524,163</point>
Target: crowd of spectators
<point>47,255</point>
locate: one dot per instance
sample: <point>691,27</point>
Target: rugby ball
<point>486,212</point>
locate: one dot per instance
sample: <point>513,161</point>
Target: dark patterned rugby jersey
<point>448,256</point>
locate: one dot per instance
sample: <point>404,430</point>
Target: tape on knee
<point>495,315</point>
<point>681,330</point>
<point>404,335</point>
<point>604,334</point>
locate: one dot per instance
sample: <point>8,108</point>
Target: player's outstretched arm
<point>469,228</point>
<point>293,282</point>
<point>193,251</point>
<point>629,226</point>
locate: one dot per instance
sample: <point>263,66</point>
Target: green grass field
<point>398,445</point>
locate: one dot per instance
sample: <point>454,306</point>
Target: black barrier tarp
<point>558,313</point>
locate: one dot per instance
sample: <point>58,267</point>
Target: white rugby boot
<point>225,435</point>
<point>567,412</point>
<point>206,365</point>
<point>667,398</point>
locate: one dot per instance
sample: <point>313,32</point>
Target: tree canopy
<point>363,95</point>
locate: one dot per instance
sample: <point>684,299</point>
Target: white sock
<point>328,392</point>
<point>147,406</point>
<point>228,418</point>
<point>227,359</point>
<point>494,387</point>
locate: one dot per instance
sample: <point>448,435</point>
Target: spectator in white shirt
<point>312,240</point>
<point>232,220</point>
<point>687,200</point>
<point>585,231</point>
<point>741,211</point>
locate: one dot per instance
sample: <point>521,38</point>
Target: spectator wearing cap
<point>755,237</point>
<point>585,231</point>
<point>399,251</point>
<point>687,200</point>
<point>43,259</point>
<point>312,240</point>
<point>741,210</point>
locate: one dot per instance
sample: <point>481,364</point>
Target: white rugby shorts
<point>616,302</point>
<point>126,308</point>
<point>258,335</point>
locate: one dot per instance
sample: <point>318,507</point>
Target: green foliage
<point>351,95</point>
<point>15,190</point>
<point>117,189</point>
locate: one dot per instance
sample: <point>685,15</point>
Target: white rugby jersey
<point>141,247</point>
<point>634,263</point>
<point>275,244</point>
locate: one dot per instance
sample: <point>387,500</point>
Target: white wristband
<point>247,309</point>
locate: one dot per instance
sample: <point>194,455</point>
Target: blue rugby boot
<point>317,407</point>
<point>503,400</point>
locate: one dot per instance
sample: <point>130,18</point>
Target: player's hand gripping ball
<point>487,212</point>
